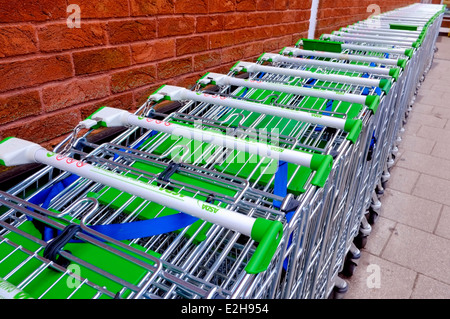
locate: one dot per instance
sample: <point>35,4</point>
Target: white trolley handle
<point>268,233</point>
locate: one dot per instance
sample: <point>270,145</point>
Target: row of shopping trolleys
<point>259,183</point>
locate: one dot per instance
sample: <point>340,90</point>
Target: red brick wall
<point>334,14</point>
<point>52,76</point>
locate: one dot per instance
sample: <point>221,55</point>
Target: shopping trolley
<point>80,262</point>
<point>264,179</point>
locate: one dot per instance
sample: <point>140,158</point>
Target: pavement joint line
<point>438,220</point>
<point>414,284</point>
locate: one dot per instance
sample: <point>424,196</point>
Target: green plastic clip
<point>373,102</point>
<point>99,124</point>
<point>385,85</point>
<point>322,45</point>
<point>268,234</point>
<point>402,63</point>
<point>353,127</point>
<point>394,73</point>
<point>322,164</point>
<point>406,27</point>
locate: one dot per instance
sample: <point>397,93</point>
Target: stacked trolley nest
<point>262,183</point>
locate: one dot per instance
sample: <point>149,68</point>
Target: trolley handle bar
<point>268,233</point>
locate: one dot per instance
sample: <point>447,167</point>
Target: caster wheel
<point>380,192</point>
<point>349,268</point>
<point>339,292</point>
<point>384,184</point>
<point>373,217</point>
<point>360,241</point>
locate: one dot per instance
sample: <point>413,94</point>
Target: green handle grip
<point>385,85</point>
<point>322,164</point>
<point>353,127</point>
<point>394,73</point>
<point>268,234</point>
<point>373,102</point>
<point>402,63</point>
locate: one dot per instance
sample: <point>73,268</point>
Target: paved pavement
<point>408,252</point>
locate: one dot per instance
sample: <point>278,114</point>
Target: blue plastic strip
<point>146,228</point>
<point>329,107</point>
<point>366,90</point>
<point>139,229</point>
<point>280,183</point>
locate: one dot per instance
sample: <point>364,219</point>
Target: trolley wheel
<point>384,184</point>
<point>360,241</point>
<point>338,292</point>
<point>373,217</point>
<point>349,268</point>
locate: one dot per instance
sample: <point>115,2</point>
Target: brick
<point>281,4</point>
<point>302,15</point>
<point>97,60</point>
<point>43,128</point>
<point>191,45</point>
<point>151,7</point>
<point>302,4</point>
<point>32,10</point>
<point>231,54</point>
<point>172,68</point>
<point>189,6</point>
<point>210,23</point>
<point>77,91</point>
<point>271,45</point>
<point>253,49</point>
<point>262,33</point>
<point>263,5</point>
<point>133,78</point>
<point>153,50</point>
<point>58,37</point>
<point>207,60</point>
<point>131,30</point>
<point>171,26</point>
<point>221,6</point>
<point>290,16</point>
<point>255,19</point>
<point>245,5</point>
<point>235,21</point>
<point>221,40</point>
<point>280,30</point>
<point>244,35</point>
<point>122,101</point>
<point>18,106</point>
<point>274,17</point>
<point>17,40</point>
<point>31,72</point>
<point>103,9</point>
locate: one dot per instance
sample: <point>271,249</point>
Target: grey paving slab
<point>417,143</point>
<point>443,226</point>
<point>433,188</point>
<point>432,133</point>
<point>411,210</point>
<point>376,278</point>
<point>427,119</point>
<point>424,163</point>
<point>441,112</point>
<point>379,235</point>
<point>419,251</point>
<point>436,99</point>
<point>422,108</point>
<point>429,288</point>
<point>403,179</point>
<point>441,150</point>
